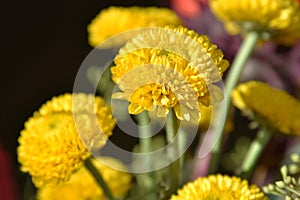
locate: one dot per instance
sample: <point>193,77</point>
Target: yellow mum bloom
<point>92,116</point>
<point>169,68</point>
<point>50,147</point>
<point>219,187</point>
<point>114,20</point>
<point>82,185</point>
<point>277,20</point>
<point>275,107</point>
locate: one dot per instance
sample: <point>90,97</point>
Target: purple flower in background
<point>262,70</point>
<point>279,66</point>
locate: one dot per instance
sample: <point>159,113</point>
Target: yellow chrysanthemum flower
<point>50,147</point>
<point>169,68</point>
<point>82,185</point>
<point>219,187</point>
<point>277,20</point>
<point>92,116</point>
<point>114,20</point>
<point>273,106</point>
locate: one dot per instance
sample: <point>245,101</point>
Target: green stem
<point>145,133</point>
<point>257,146</point>
<point>29,190</point>
<point>175,167</point>
<point>232,79</point>
<point>292,190</point>
<point>239,62</point>
<point>98,177</point>
<point>182,140</point>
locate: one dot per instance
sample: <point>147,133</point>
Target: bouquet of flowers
<point>161,123</point>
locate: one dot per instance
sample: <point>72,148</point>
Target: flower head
<point>82,185</point>
<point>274,107</point>
<point>169,68</point>
<point>50,145</point>
<point>219,187</point>
<point>277,20</point>
<point>93,118</point>
<point>50,148</point>
<point>114,20</point>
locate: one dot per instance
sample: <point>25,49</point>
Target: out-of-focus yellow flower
<point>273,106</point>
<point>205,120</point>
<point>82,185</point>
<point>50,147</point>
<point>277,20</point>
<point>114,20</point>
<point>207,116</point>
<point>169,68</point>
<point>219,187</point>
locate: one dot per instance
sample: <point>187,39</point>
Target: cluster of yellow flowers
<point>160,69</point>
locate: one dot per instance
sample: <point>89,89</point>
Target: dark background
<point>43,44</point>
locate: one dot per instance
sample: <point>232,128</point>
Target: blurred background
<point>43,45</point>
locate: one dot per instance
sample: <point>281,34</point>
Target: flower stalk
<point>99,179</point>
<point>175,167</point>
<point>145,133</point>
<point>232,79</point>
<point>257,146</point>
